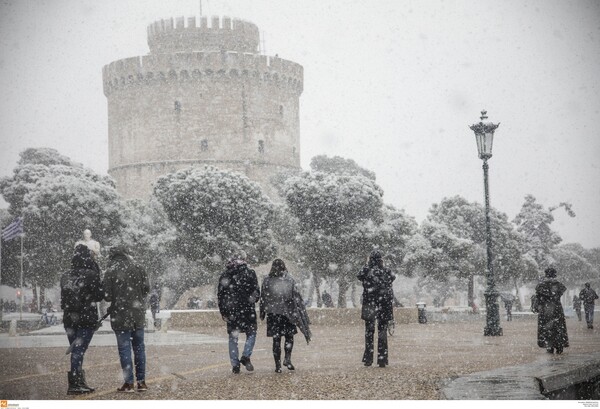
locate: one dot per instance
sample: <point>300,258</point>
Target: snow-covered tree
<point>58,199</point>
<point>340,166</point>
<point>149,235</point>
<point>215,214</point>
<point>341,218</point>
<point>452,242</point>
<point>571,262</point>
<point>534,221</point>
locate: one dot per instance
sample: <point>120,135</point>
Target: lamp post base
<point>492,327</point>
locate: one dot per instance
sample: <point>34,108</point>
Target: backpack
<point>70,299</point>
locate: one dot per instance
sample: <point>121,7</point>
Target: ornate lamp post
<point>484,135</point>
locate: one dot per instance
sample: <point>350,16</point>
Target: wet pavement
<point>194,364</point>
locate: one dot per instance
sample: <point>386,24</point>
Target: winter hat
<point>550,272</point>
<point>587,285</point>
<point>376,259</point>
<point>82,257</point>
<point>238,259</point>
<point>277,268</point>
<point>118,250</point>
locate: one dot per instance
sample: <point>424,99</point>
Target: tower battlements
<point>205,66</point>
<point>189,34</point>
<point>203,95</point>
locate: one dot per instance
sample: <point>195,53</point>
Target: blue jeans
<point>82,338</point>
<point>233,346</point>
<point>125,340</point>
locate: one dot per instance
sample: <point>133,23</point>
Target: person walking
<point>80,290</point>
<point>237,295</point>
<point>155,302</point>
<point>588,296</point>
<point>508,302</point>
<point>552,327</point>
<point>376,307</point>
<point>577,306</point>
<point>284,309</point>
<point>126,287</point>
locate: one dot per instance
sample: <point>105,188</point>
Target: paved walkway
<point>423,358</point>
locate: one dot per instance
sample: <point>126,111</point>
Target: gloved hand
<point>262,315</point>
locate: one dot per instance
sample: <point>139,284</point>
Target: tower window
<point>204,145</point>
<point>261,146</point>
<point>293,150</point>
<point>177,106</point>
<point>281,110</point>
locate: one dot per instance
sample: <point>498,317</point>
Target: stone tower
<point>203,95</point>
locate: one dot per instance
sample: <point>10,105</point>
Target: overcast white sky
<point>390,84</point>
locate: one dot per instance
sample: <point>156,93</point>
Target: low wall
<point>318,316</point>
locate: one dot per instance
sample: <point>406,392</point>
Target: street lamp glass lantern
<point>484,136</point>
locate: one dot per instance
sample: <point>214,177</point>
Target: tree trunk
<point>470,291</point>
<point>317,291</point>
<point>343,289</point>
<point>311,290</point>
<point>42,296</point>
<point>353,295</point>
<point>518,305</point>
<point>178,293</point>
<point>34,302</point>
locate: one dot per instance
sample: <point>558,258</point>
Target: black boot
<point>287,360</point>
<point>368,358</point>
<point>76,387</point>
<point>84,382</point>
<point>277,353</point>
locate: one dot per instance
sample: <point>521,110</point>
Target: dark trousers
<point>589,313</point>
<point>578,311</point>
<point>288,346</point>
<point>382,347</point>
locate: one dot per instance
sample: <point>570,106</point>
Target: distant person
<point>80,290</point>
<point>508,302</point>
<point>552,327</point>
<point>327,300</point>
<point>126,286</point>
<point>237,296</point>
<point>284,309</point>
<point>155,302</point>
<point>588,297</point>
<point>577,306</point>
<point>377,307</point>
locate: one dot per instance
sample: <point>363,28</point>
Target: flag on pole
<point>13,230</point>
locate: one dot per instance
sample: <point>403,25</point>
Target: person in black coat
<point>80,290</point>
<point>552,327</point>
<point>588,296</point>
<point>282,305</point>
<point>377,307</point>
<point>237,294</point>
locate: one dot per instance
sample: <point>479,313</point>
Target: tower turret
<point>181,35</point>
<point>204,95</point>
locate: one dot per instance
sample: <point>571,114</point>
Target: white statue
<point>91,244</point>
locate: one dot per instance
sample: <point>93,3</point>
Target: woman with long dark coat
<point>552,327</point>
<point>377,306</point>
<point>80,290</point>
<point>284,308</point>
